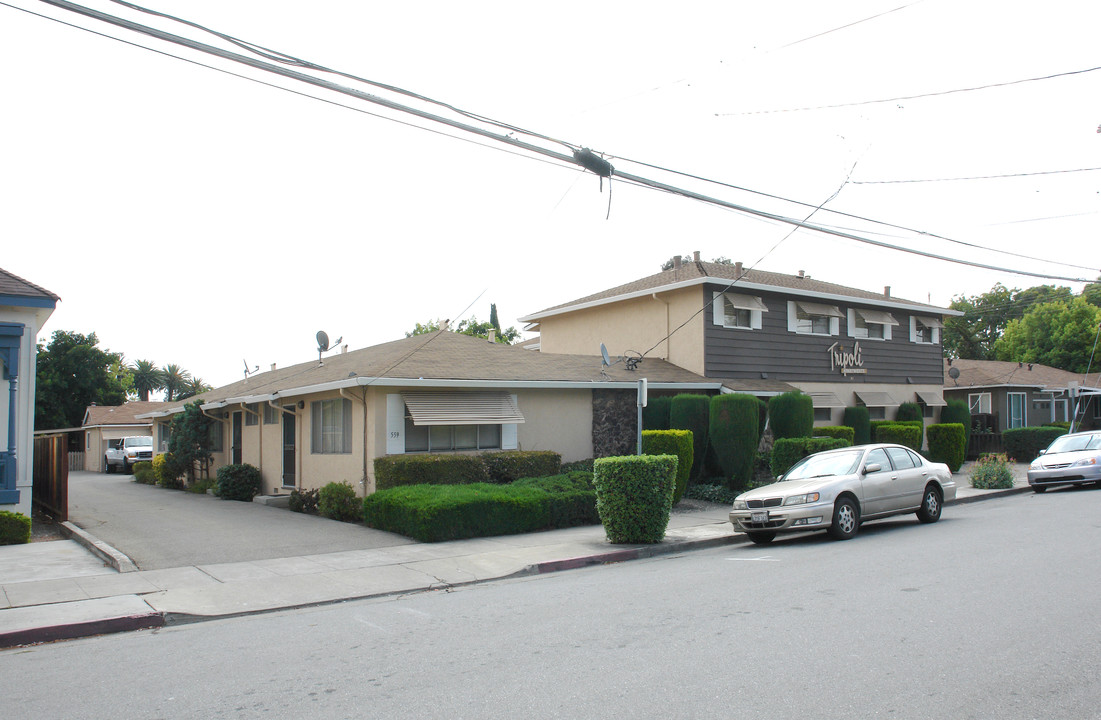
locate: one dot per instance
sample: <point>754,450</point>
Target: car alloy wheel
<point>929,512</point>
<point>846,519</point>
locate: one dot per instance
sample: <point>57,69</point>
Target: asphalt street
<point>987,613</point>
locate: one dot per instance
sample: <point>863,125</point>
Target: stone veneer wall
<point>615,418</point>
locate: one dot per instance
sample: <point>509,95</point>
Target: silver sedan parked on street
<point>837,490</point>
<point>1069,460</point>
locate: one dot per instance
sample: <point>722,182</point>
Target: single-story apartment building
<point>327,420</point>
<point>760,332</point>
<point>104,423</point>
<point>24,309</point>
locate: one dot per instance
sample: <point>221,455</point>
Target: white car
<point>837,490</point>
<point>1070,460</point>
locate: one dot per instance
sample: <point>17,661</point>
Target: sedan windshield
<point>842,463</point>
<point>1074,443</point>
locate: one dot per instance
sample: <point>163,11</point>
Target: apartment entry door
<point>290,432</point>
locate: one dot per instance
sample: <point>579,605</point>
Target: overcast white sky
<point>188,216</point>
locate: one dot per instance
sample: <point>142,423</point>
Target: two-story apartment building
<point>764,333</point>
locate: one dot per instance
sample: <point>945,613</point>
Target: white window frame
<point>983,400</point>
<point>1010,421</point>
<point>860,328</point>
<point>396,413</point>
<point>934,332</point>
<point>793,321</point>
<point>724,304</point>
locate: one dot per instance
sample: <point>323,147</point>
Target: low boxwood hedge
<point>510,465</point>
<point>788,451</point>
<point>906,433</point>
<point>396,470</point>
<point>1024,444</point>
<point>15,528</point>
<point>840,432</point>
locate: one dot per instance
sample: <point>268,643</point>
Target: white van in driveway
<point>124,452</point>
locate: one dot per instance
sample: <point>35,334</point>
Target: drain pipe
<point>363,401</point>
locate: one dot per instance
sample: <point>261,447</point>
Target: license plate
<point>760,518</point>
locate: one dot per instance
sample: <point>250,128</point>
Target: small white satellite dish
<point>322,340</point>
<point>604,355</point>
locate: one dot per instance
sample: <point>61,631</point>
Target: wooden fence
<point>51,475</point>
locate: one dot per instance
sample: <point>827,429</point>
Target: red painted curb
<point>72,631</point>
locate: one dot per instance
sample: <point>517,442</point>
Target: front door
<point>289,434</point>
<point>235,450</point>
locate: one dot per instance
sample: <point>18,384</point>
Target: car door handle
<point>894,477</point>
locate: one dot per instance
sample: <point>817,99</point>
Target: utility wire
<point>507,139</point>
<point>976,177</point>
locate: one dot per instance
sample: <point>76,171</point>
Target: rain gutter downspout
<point>362,400</point>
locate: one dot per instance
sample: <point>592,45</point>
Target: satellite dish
<point>322,340</point>
<point>604,355</point>
<point>953,372</point>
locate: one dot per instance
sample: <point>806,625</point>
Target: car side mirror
<point>872,467</point>
<point>1043,451</point>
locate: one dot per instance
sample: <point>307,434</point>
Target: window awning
<point>877,316</point>
<point>875,399</point>
<point>461,408</point>
<point>825,400</point>
<point>746,302</point>
<point>818,309</point>
<point>930,322</point>
<point>932,399</point>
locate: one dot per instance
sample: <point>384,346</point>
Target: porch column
<point>10,338</point>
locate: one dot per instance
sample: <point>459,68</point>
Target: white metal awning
<point>932,399</point>
<point>746,302</point>
<point>819,309</point>
<point>875,399</point>
<point>825,400</point>
<point>877,317</point>
<point>461,408</point>
<point>930,322</point>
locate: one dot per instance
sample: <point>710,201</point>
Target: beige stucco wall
<point>637,325</point>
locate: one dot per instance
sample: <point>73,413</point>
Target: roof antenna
<point>323,345</point>
<point>249,372</point>
<point>630,360</point>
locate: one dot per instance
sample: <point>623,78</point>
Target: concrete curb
<point>81,618</point>
<point>990,495</point>
<point>100,549</point>
<point>633,553</point>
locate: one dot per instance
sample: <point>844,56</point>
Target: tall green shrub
<point>909,411</point>
<point>634,495</point>
<point>858,419</point>
<point>791,415</point>
<point>655,416</point>
<point>734,436</point>
<point>947,444</point>
<point>1024,444</point>
<point>692,412</point>
<point>237,482</point>
<point>671,442</point>
<point>957,411</point>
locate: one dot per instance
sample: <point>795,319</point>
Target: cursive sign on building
<point>849,363</point>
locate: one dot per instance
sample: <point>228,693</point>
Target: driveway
<point>160,528</point>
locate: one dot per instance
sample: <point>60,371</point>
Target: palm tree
<point>194,386</point>
<point>147,378</point>
<point>175,380</point>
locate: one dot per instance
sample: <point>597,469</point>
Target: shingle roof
<point>11,284</point>
<point>445,355</point>
<point>119,414</point>
<point>994,373</point>
<point>702,271</point>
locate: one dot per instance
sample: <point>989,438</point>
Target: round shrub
<point>992,473</point>
<point>947,444</point>
<point>734,436</point>
<point>634,495</point>
<point>168,472</point>
<point>15,528</point>
<point>858,419</point>
<point>1024,444</point>
<point>692,412</point>
<point>909,411</point>
<point>144,473</point>
<point>237,482</point>
<point>791,415</point>
<point>338,501</point>
<point>303,501</point>
<point>671,442</point>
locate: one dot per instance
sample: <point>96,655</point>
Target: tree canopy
<point>471,327</point>
<point>1060,333</point>
<point>72,373</point>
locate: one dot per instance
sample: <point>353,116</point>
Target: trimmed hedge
<point>947,444</point>
<point>840,432</point>
<point>909,411</point>
<point>237,482</point>
<point>858,419</point>
<point>957,411</point>
<point>655,416</point>
<point>398,470</point>
<point>692,412</point>
<point>671,442</point>
<point>434,513</point>
<point>734,436</point>
<point>903,433</point>
<point>791,415</point>
<point>510,465</point>
<point>144,473</point>
<point>338,501</point>
<point>788,451</point>
<point>634,495</point>
<point>15,528</point>
<point>1024,444</point>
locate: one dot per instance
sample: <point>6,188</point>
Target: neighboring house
<point>763,332</point>
<point>24,309</point>
<point>1006,395</point>
<point>103,423</point>
<point>326,421</point>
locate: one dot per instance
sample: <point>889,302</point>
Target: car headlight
<point>1087,461</point>
<point>740,505</point>
<point>1035,465</point>
<point>802,499</point>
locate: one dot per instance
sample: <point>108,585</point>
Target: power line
<point>849,25</point>
<point>975,177</point>
<point>902,98</point>
<point>509,140</point>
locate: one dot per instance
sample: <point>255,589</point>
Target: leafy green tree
<point>972,335</point>
<point>190,444</point>
<point>469,327</point>
<point>668,264</point>
<point>175,380</point>
<point>194,386</point>
<point>1092,293</point>
<point>1061,334</point>
<point>147,377</point>
<point>72,373</point>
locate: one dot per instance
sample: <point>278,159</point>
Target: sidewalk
<point>79,587</point>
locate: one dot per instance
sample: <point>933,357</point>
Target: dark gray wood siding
<point>791,357</point>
